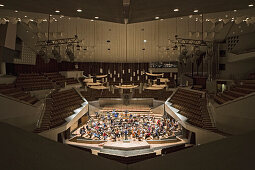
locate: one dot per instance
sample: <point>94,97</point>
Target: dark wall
<point>88,68</point>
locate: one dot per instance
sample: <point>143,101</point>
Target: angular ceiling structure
<point>119,11</point>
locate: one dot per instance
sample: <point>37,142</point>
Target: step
<point>228,96</point>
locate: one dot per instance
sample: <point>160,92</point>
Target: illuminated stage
<point>127,146</point>
<point>141,117</point>
<point>132,149</point>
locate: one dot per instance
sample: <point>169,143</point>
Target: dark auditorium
<point>127,85</point>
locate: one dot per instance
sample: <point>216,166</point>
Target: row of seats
<point>17,93</point>
<point>92,94</point>
<point>241,89</point>
<point>59,105</point>
<point>33,81</point>
<point>192,105</point>
<point>156,94</point>
<point>60,79</point>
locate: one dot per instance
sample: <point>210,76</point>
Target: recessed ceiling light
<point>50,15</point>
<point>91,20</point>
<point>97,17</point>
<point>16,11</point>
<point>176,10</point>
<point>79,10</point>
<point>156,17</point>
<point>144,41</point>
<point>57,11</point>
<point>235,10</point>
<point>1,5</point>
<point>161,19</point>
<point>251,5</point>
<point>195,10</point>
<point>25,16</point>
<point>181,18</point>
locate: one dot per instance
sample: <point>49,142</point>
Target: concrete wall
<point>10,41</point>
<point>19,114</point>
<point>53,133</point>
<point>93,109</point>
<point>159,109</point>
<point>237,116</point>
<point>238,70</point>
<point>72,74</point>
<point>202,136</point>
<point>7,79</point>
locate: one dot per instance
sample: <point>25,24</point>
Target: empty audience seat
<point>242,88</point>
<point>192,105</point>
<point>17,93</point>
<point>59,106</point>
<point>33,81</point>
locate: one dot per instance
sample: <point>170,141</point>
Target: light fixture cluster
<point>196,10</point>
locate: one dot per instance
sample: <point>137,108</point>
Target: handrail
<point>39,122</point>
<point>209,109</point>
<point>80,95</point>
<point>17,100</point>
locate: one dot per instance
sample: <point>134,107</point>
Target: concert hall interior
<point>127,84</point>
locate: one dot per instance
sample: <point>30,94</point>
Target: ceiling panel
<point>113,10</point>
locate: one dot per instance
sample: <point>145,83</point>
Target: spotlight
<point>176,10</point>
<point>156,17</point>
<point>79,10</point>
<point>57,11</point>
<point>251,5</point>
<point>1,5</point>
<point>195,10</point>
<point>96,17</point>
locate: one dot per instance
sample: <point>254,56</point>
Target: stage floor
<point>122,149</point>
<point>131,145</point>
